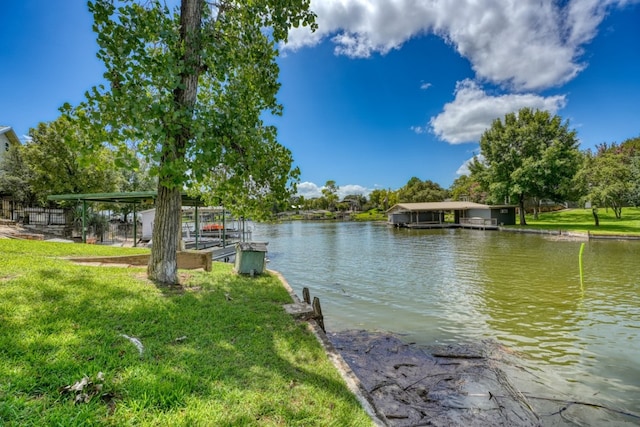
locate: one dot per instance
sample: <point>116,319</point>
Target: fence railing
<point>35,216</point>
<point>479,221</point>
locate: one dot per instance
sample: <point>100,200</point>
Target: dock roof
<point>436,206</point>
<point>131,197</point>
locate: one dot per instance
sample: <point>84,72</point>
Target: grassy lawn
<point>582,220</point>
<point>219,352</point>
<point>370,215</point>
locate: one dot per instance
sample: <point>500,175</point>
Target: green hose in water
<point>580,263</point>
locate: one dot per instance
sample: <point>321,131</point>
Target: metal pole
<point>84,221</point>
<point>224,229</point>
<point>135,227</point>
<point>197,228</point>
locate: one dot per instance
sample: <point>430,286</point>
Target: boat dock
<point>469,223</point>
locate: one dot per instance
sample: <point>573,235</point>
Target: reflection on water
<point>464,285</point>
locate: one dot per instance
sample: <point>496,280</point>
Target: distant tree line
<point>526,158</point>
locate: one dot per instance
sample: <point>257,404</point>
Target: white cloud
<point>519,44</point>
<point>311,190</point>
<point>425,86</point>
<point>464,168</point>
<point>351,189</point>
<point>473,111</point>
<point>419,129</point>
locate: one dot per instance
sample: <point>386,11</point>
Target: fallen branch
<point>593,405</point>
<point>567,404</point>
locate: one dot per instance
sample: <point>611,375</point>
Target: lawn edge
<point>348,376</point>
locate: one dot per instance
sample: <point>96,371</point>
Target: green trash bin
<point>250,257</point>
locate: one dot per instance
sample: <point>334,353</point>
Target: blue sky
<point>386,89</point>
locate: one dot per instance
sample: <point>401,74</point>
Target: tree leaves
<point>530,154</point>
<point>609,177</point>
<point>234,54</point>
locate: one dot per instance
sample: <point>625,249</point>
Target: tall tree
<point>606,178</point>
<point>15,176</point>
<point>529,154</point>
<point>330,194</point>
<point>188,88</point>
<point>57,167</point>
<point>416,191</point>
<point>467,188</point>
<point>383,199</point>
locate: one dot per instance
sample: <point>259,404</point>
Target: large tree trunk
<point>166,229</point>
<point>163,265</point>
<point>523,221</point>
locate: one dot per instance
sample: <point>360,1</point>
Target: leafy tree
<point>416,191</point>
<point>634,190</point>
<point>57,167</point>
<point>354,201</point>
<point>529,154</point>
<point>15,176</point>
<point>135,177</point>
<point>631,149</point>
<point>606,178</point>
<point>189,89</point>
<point>330,194</point>
<point>468,188</point>
<point>383,199</point>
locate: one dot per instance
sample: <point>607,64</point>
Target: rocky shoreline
<point>441,386</point>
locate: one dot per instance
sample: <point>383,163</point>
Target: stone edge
<point>352,381</point>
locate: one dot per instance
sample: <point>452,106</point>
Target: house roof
<point>436,206</point>
<point>10,134</point>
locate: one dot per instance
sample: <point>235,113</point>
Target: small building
<point>465,215</point>
<point>7,138</point>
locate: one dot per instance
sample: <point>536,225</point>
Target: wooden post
<point>317,313</point>
<point>305,295</point>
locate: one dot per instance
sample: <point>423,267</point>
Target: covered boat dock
<point>430,215</point>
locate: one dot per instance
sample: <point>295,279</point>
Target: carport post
<point>84,221</point>
<point>224,229</point>
<point>197,230</point>
<point>135,227</point>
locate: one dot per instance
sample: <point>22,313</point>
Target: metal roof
<point>436,206</point>
<point>132,197</point>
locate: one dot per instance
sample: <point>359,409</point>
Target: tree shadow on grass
<point>220,350</point>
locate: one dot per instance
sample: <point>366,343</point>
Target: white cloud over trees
<point>473,111</point>
<point>522,47</point>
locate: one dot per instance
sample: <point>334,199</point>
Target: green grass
<point>370,215</point>
<point>219,352</point>
<point>581,220</point>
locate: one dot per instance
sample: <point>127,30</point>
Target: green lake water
<point>457,286</point>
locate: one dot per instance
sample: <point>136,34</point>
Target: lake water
<point>581,342</point>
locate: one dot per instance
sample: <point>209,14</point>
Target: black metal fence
<point>33,216</point>
<point>67,223</point>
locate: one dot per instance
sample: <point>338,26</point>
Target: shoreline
<point>401,384</point>
<point>577,235</point>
